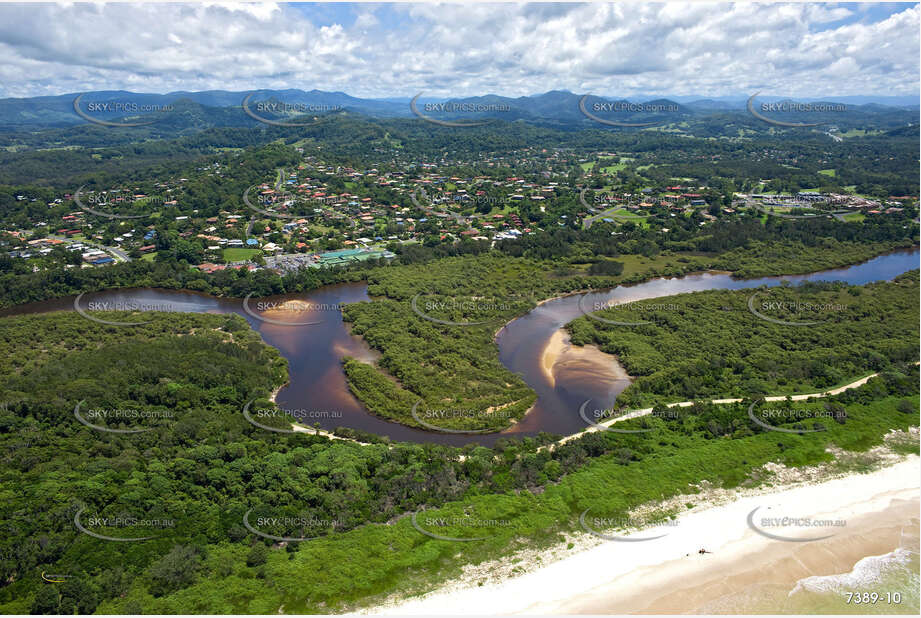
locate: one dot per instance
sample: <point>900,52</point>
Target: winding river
<point>314,339</point>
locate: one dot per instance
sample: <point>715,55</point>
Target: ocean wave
<point>867,572</point>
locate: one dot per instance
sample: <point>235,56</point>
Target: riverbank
<point>589,575</point>
<point>587,361</point>
<point>314,353</point>
<point>627,282</point>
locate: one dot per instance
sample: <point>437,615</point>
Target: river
<point>314,339</point>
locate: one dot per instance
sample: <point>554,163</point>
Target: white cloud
<point>459,50</point>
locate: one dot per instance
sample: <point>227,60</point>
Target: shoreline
<point>553,349</point>
<point>560,351</point>
<point>714,271</point>
<point>703,583</point>
<point>8,310</point>
<point>598,576</point>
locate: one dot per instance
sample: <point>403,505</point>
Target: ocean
<point>884,584</point>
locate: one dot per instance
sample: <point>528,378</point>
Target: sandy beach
<point>561,355</point>
<point>879,511</point>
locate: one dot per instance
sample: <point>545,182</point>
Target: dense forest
<point>780,340</point>
<point>193,488</point>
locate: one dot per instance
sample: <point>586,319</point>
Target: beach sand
<point>748,567</point>
<point>667,575</point>
<point>587,362</point>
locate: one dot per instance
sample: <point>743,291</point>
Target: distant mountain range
<point>52,120</point>
<point>553,107</point>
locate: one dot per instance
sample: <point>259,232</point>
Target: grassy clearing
<point>239,255</point>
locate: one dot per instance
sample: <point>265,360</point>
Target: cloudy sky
<point>452,50</point>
